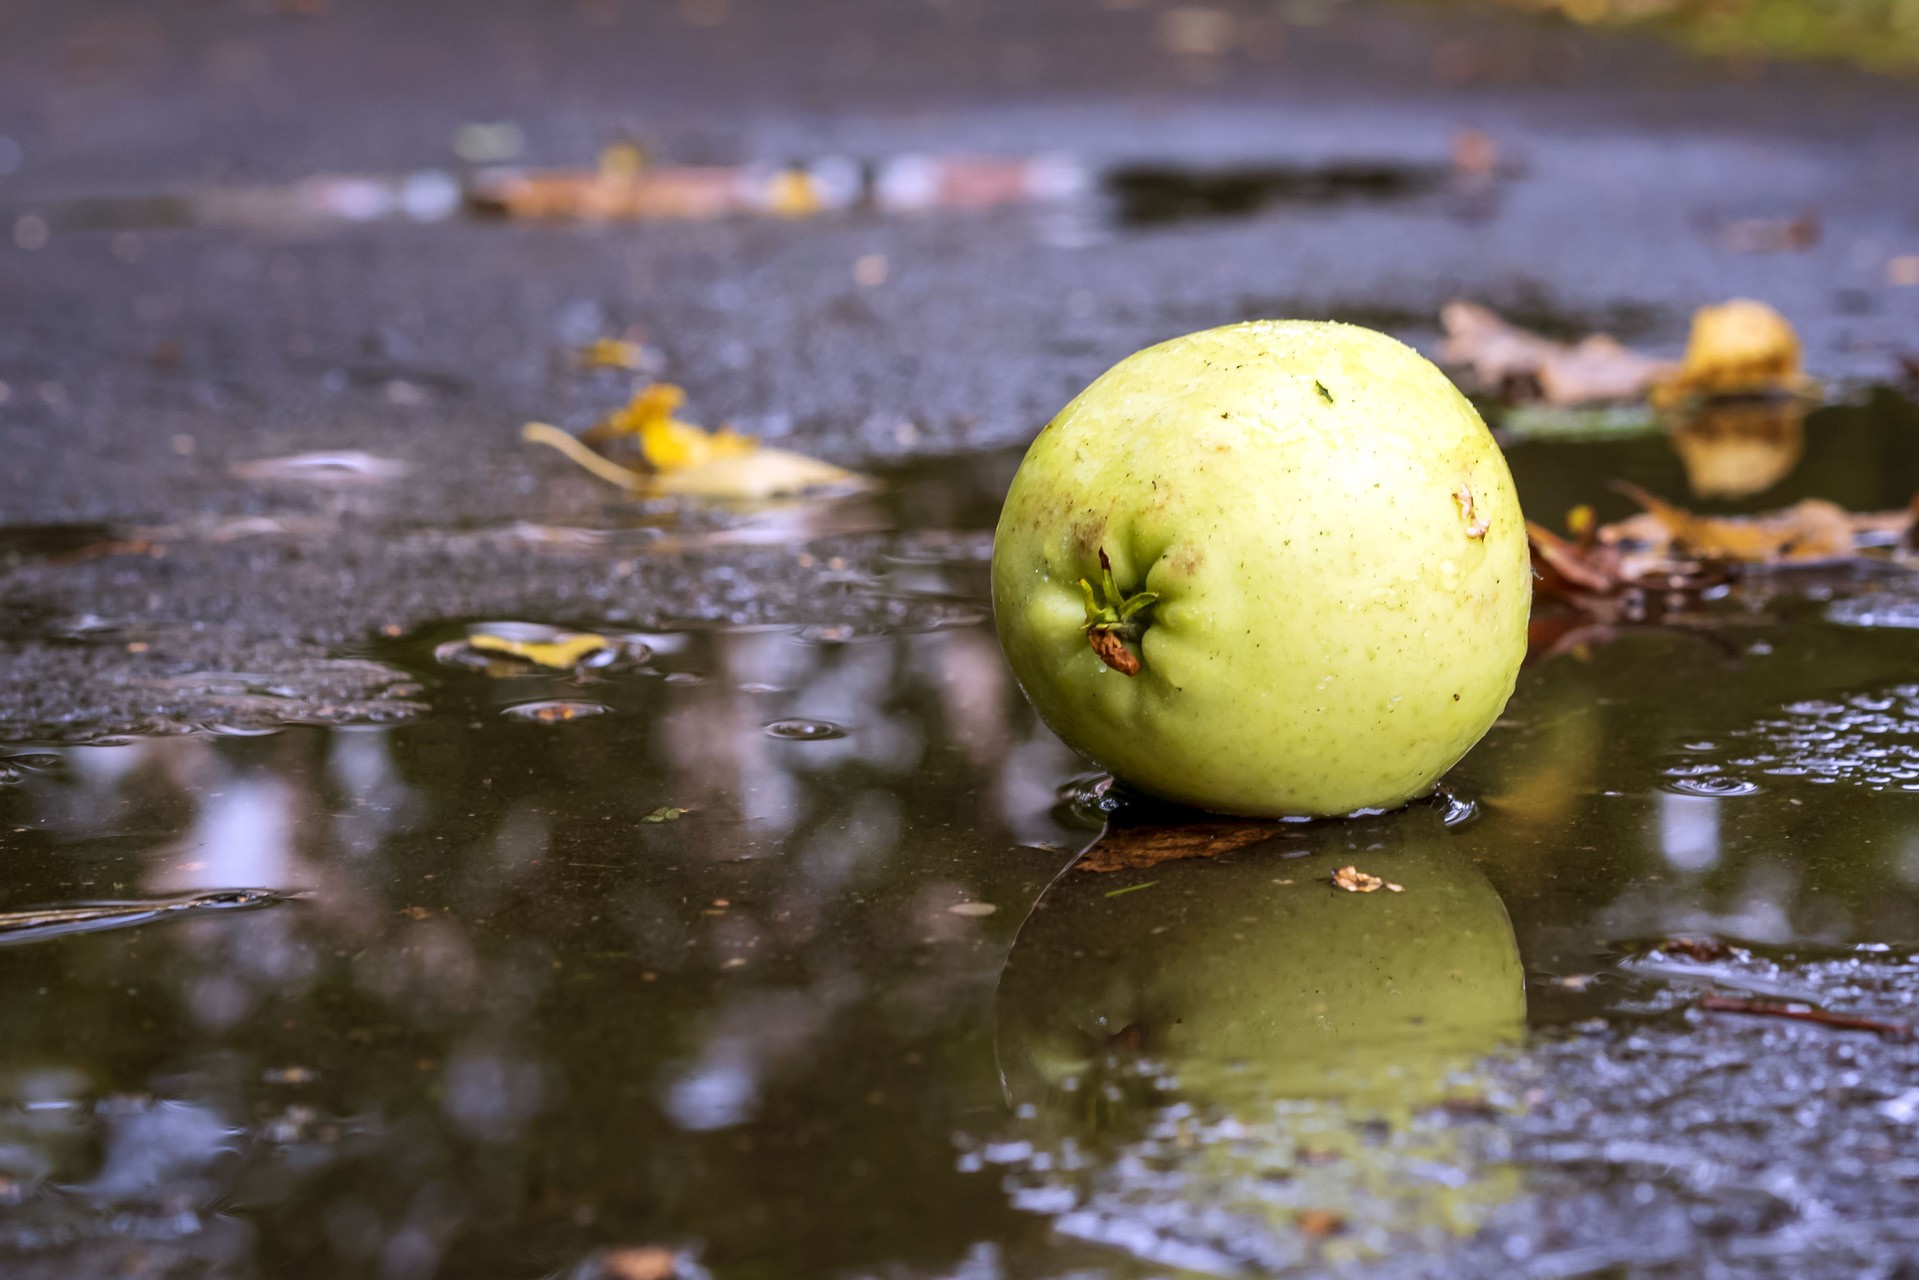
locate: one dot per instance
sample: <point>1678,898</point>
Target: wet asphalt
<point>143,363</point>
<point>144,584</point>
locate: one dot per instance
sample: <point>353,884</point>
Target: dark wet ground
<point>507,1007</point>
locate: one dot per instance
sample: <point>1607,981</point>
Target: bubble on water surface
<point>555,710</point>
<point>1868,739</point>
<point>1712,784</point>
<point>798,729</point>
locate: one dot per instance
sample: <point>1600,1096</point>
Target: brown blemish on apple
<point>1186,560</point>
<point>1086,535</point>
<point>1476,526</point>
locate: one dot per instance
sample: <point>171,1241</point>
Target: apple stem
<point>1113,618</point>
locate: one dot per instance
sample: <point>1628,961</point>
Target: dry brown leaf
<point>1812,529</point>
<point>1136,848</point>
<point>1520,365</point>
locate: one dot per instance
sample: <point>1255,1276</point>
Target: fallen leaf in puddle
<point>509,649</point>
<point>685,460</point>
<point>1602,581</point>
<point>1353,880</point>
<point>1517,364</point>
<point>1809,530</point>
<point>666,813</point>
<point>563,651</point>
<point>1136,848</point>
<point>1740,348</point>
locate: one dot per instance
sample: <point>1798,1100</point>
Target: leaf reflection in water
<point>39,923</point>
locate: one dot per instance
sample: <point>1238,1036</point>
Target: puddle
<point>1152,195</point>
<point>1138,194</point>
<point>758,947</point>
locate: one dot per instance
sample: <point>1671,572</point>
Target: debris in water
<point>1712,1002</point>
<point>49,922</point>
<point>1601,580</point>
<point>1140,847</point>
<point>532,644</point>
<point>555,711</point>
<point>802,730</point>
<point>1353,880</point>
<point>975,909</point>
<point>1700,949</point>
<point>1135,888</point>
<point>1809,530</point>
<point>666,813</point>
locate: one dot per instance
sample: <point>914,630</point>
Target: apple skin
<point>1339,558</point>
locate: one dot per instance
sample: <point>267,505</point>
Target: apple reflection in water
<point>1327,1027</point>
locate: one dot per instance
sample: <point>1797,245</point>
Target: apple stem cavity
<point>1113,619</point>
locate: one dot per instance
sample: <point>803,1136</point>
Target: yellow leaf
<point>653,403</point>
<point>1736,348</point>
<point>759,473</point>
<point>612,353</point>
<point>687,461</point>
<point>666,442</point>
<point>562,651</point>
<point>792,194</point>
<point>671,445</point>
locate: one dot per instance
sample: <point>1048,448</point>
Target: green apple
<point>1271,569</point>
<point>1255,977</point>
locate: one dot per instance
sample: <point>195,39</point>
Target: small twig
<point>1712,1002</point>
